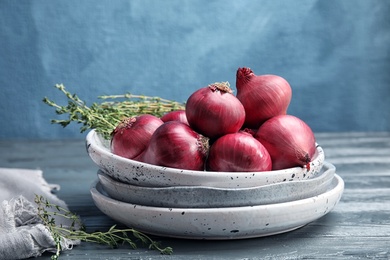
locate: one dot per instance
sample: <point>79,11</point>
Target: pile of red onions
<point>219,131</point>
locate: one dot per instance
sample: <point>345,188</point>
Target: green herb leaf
<point>113,237</point>
<point>105,116</point>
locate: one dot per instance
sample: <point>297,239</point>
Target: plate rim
<point>321,174</point>
<point>334,192</point>
<point>191,196</point>
<point>166,175</point>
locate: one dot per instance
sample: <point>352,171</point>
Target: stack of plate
<point>211,205</point>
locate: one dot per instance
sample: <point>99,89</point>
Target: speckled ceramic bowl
<point>207,197</point>
<point>220,223</point>
<point>143,174</point>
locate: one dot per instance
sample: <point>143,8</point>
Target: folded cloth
<point>22,233</point>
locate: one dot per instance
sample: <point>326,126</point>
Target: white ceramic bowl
<point>207,197</point>
<point>220,223</point>
<point>143,174</point>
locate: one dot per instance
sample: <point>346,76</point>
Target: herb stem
<point>76,231</point>
<point>106,115</point>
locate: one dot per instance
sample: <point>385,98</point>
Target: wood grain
<point>358,228</point>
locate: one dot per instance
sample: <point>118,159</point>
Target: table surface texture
<point>357,228</point>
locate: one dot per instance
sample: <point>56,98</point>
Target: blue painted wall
<point>334,53</point>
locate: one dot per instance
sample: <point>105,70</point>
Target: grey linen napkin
<point>22,234</point>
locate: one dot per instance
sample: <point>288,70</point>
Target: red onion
<point>238,152</point>
<point>262,96</point>
<point>131,137</point>
<point>177,115</point>
<point>175,144</point>
<point>214,111</point>
<point>252,132</point>
<point>289,141</point>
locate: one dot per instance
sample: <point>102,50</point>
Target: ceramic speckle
<point>205,197</point>
<point>142,174</point>
<point>220,223</point>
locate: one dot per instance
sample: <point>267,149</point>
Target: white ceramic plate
<point>220,223</point>
<point>208,197</point>
<point>143,174</point>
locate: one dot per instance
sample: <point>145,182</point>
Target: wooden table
<point>358,227</point>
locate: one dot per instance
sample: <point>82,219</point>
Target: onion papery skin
<point>289,141</point>
<point>177,115</point>
<point>238,152</point>
<point>263,96</point>
<point>174,144</point>
<point>131,136</point>
<point>249,131</point>
<point>214,111</point>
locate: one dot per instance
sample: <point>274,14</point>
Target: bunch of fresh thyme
<point>76,231</point>
<point>105,116</point>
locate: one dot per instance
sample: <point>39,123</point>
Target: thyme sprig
<point>76,230</point>
<point>106,115</point>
